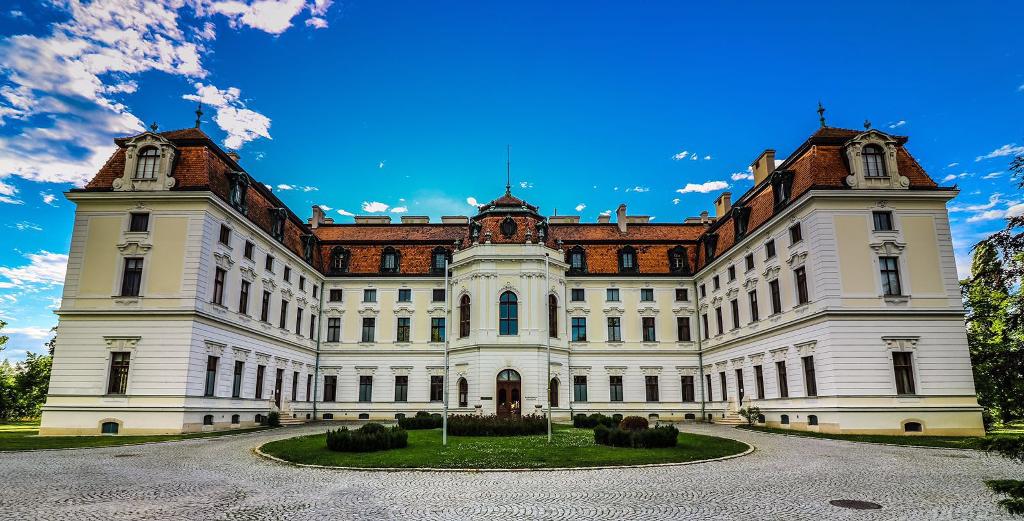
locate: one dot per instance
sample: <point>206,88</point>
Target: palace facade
<point>826,295</point>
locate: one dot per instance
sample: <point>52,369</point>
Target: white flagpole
<point>444,426</point>
<point>547,338</point>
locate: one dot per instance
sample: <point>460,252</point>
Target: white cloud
<point>381,164</point>
<point>952,177</point>
<point>25,225</point>
<point>316,23</point>
<point>676,200</point>
<point>48,198</point>
<point>286,187</point>
<point>345,213</point>
<point>580,207</point>
<point>606,212</point>
<point>898,124</point>
<point>325,208</point>
<point>992,175</point>
<point>525,184</point>
<point>472,201</point>
<point>272,16</point>
<point>7,194</point>
<point>993,200</point>
<point>951,165</point>
<point>640,189</point>
<point>400,209</point>
<point>707,157</point>
<point>703,188</point>
<point>1006,150</point>
<point>989,215</point>
<point>374,207</point>
<point>681,155</point>
<point>44,268</point>
<point>741,176</point>
<point>35,333</point>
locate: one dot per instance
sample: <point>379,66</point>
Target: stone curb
<point>232,435</point>
<point>859,442</point>
<point>261,454</point>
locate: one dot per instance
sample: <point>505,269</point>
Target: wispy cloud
<point>951,165</point>
<point>742,176</point>
<point>580,207</point>
<point>35,333</point>
<point>897,124</point>
<point>525,184</point>
<point>993,200</point>
<point>287,187</point>
<point>676,200</point>
<point>1006,150</point>
<point>472,201</point>
<point>953,177</point>
<point>48,198</point>
<point>44,268</point>
<point>25,225</point>
<point>374,207</point>
<point>639,189</point>
<point>703,188</point>
<point>400,209</point>
<point>342,211</point>
<point>992,175</point>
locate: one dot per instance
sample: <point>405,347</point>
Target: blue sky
<point>401,107</point>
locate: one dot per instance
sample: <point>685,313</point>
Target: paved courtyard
<point>219,478</point>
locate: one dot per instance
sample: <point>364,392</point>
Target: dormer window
<point>627,260</point>
<point>678,262</point>
<point>339,260</point>
<point>239,187</point>
<point>577,260</point>
<point>710,243</point>
<point>782,186</point>
<point>438,258</point>
<point>874,161</point>
<point>389,260</point>
<point>309,247</point>
<point>741,221</point>
<point>149,159</point>
<point>277,218</point>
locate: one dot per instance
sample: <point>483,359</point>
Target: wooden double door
<point>508,393</point>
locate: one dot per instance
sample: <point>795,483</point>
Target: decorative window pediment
<point>147,166</point>
<point>888,247</point>
<point>872,159</point>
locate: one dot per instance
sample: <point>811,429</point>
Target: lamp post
<point>547,338</point>
<point>444,426</point>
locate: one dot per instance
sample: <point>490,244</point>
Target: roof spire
<point>199,113</point>
<point>821,114</point>
<point>508,169</point>
<point>153,126</point>
<point>867,124</point>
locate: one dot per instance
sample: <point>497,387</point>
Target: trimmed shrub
<point>274,419</point>
<point>616,418</point>
<point>582,421</point>
<point>422,420</point>
<point>657,437</point>
<point>471,425</point>
<point>620,438</point>
<point>368,438</point>
<point>634,423</point>
<point>751,414</point>
<point>601,433</point>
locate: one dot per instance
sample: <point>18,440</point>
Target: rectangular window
<point>718,321</point>
<point>716,283</point>
<point>688,392</point>
<point>369,295</point>
<point>890,272</point>
<point>316,291</point>
<point>287,274</point>
<point>615,388</point>
<point>298,321</point>
<point>437,295</point>
<point>268,263</point>
<point>260,371</point>
<point>612,295</point>
<point>769,249</point>
<point>648,329</point>
<point>703,291</point>
<point>732,273</point>
<point>683,329</point>
<point>883,221</point>
<point>734,308</point>
<point>131,280</point>
<point>707,387</point>
<point>333,329</point>
<point>218,286</point>
<point>437,329</point>
<point>211,376</point>
<point>614,329</point>
<point>118,381</point>
<point>682,294</point>
<point>903,366</point>
<point>800,277</point>
<point>405,295</point>
<point>264,313</point>
<point>247,251</point>
<point>312,326</point>
<point>579,388</point>
<point>403,329</point>
<point>651,388</point>
<point>138,222</point>
<point>436,388</point>
<point>783,379</point>
<point>646,294</point>
<point>725,386</point>
<point>579,329</point>
<point>243,298</point>
<point>334,295</point>
<point>330,388</point>
<point>225,235</point>
<point>236,381</point>
<point>368,326</point>
<point>755,313</point>
<point>796,234</point>
<point>773,288</point>
<point>578,295</point>
<point>749,261</point>
<point>283,322</point>
<point>295,386</point>
<point>704,322</point>
<point>309,387</point>
<point>365,388</point>
<point>810,383</point>
<point>302,283</point>
<point>401,388</point>
<point>759,381</point>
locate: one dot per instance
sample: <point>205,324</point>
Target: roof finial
<point>153,126</point>
<point>199,114</point>
<point>867,124</point>
<point>821,114</point>
<point>508,169</point>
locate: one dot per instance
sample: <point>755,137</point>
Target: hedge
<point>422,420</point>
<point>658,437</point>
<point>634,423</point>
<point>471,425</point>
<point>368,438</point>
<point>582,421</point>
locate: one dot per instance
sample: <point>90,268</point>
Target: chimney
<point>415,219</point>
<point>234,156</point>
<point>763,166</point>
<point>604,219</point>
<point>373,219</point>
<point>620,218</point>
<point>454,219</point>
<point>564,219</point>
<point>704,217</point>
<point>317,219</point>
<point>722,204</point>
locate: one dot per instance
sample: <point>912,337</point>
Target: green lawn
<point>570,448</point>
<point>24,436</point>
<point>953,442</point>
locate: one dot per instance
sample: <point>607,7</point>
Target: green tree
<point>31,381</point>
<point>7,399</point>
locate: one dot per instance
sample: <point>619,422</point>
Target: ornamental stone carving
<point>121,343</point>
<point>155,155</point>
<point>900,343</point>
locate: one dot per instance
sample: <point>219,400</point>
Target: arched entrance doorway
<point>509,392</point>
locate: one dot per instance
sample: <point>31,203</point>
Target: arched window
<point>553,392</point>
<point>149,157</point>
<point>812,420</point>
<point>463,393</point>
<point>208,419</point>
<point>339,260</point>
<point>678,262</point>
<point>577,260</point>
<point>874,161</point>
<point>627,260</point>
<point>912,427</point>
<point>389,260</point>
<point>236,419</point>
<point>508,314</point>
<point>552,316</point>
<point>785,419</point>
<point>464,316</point>
<point>109,428</point>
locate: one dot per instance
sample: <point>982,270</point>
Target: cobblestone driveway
<point>219,478</point>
